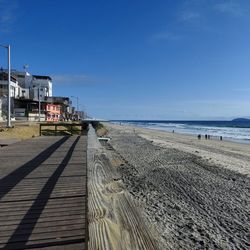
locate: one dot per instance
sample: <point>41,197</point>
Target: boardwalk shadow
<point>11,180</point>
<point>39,204</point>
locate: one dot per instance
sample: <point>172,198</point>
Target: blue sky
<point>137,59</point>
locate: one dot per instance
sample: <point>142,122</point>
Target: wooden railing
<point>63,128</point>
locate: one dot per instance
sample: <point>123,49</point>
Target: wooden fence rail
<point>63,128</point>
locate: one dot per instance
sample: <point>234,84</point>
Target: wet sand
<point>194,192</point>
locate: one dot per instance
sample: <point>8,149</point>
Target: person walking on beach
<point>221,138</point>
<point>199,137</point>
<point>206,136</point>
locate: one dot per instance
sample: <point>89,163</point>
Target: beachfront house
<point>27,92</point>
<point>31,98</point>
<point>38,87</point>
<point>58,108</point>
<point>36,84</point>
<point>53,112</point>
<point>4,85</point>
<point>41,85</point>
<point>14,91</point>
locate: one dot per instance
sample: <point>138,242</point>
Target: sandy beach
<point>194,192</point>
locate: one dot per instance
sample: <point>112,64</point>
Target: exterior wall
<point>33,83</point>
<point>53,112</point>
<point>1,118</point>
<point>45,88</point>
<point>20,112</point>
<point>4,88</point>
<point>24,78</point>
<point>35,117</point>
<point>23,93</point>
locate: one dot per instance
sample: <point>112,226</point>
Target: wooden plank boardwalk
<point>43,193</point>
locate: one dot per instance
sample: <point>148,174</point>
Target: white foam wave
<point>226,132</point>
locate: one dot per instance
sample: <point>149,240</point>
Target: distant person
<point>173,131</point>
<point>206,136</point>
<point>221,138</point>
<point>199,137</point>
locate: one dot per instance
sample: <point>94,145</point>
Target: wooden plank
<point>38,208</point>
<point>17,209</point>
<point>45,243</point>
<point>77,246</point>
<point>18,217</point>
<point>46,219</point>
<point>58,223</point>
<point>41,230</point>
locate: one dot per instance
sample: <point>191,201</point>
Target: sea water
<point>229,130</point>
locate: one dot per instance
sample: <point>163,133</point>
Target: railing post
<point>71,129</point>
<point>56,129</point>
<point>40,132</point>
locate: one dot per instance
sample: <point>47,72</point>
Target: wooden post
<point>40,132</point>
<point>56,129</point>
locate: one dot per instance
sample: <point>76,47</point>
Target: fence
<point>63,128</point>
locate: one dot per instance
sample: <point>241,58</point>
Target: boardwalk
<point>43,194</point>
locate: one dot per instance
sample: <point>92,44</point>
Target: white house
<point>42,85</point>
<point>35,84</point>
<point>4,85</point>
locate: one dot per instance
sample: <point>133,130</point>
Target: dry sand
<point>195,193</point>
<point>20,131</point>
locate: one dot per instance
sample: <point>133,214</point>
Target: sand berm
<point>195,193</point>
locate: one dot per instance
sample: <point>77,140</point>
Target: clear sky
<point>136,59</point>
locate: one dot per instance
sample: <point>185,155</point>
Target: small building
<point>4,85</point>
<point>64,103</point>
<point>33,82</point>
<point>14,91</point>
<point>41,85</point>
<point>53,112</point>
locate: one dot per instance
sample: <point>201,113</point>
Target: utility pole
<point>77,104</point>
<point>39,103</point>
<point>9,80</point>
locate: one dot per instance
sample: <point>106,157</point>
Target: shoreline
<point>213,137</point>
<point>193,191</point>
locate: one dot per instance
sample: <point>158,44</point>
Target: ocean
<point>229,130</point>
